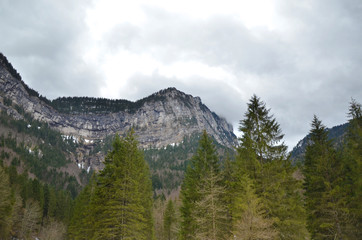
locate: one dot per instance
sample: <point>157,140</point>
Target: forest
<point>254,192</point>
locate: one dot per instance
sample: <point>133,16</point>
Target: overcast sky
<point>301,57</point>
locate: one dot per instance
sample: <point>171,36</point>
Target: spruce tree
<point>210,212</point>
<point>253,222</point>
<point>123,196</point>
<point>352,171</point>
<point>262,157</point>
<point>169,220</point>
<point>202,194</point>
<point>31,218</point>
<point>121,205</point>
<point>229,182</point>
<point>81,223</point>
<point>5,204</point>
<point>323,189</point>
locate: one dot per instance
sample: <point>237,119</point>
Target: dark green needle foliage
<point>326,198</point>
<point>262,157</point>
<point>352,170</point>
<point>203,212</point>
<point>169,221</point>
<point>121,200</point>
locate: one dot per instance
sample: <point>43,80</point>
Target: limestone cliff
<point>161,119</point>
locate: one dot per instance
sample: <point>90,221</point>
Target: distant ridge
<point>336,134</point>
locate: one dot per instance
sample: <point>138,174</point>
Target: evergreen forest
<point>254,192</point>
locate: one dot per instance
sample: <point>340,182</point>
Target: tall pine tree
<point>5,204</point>
<point>121,202</point>
<point>252,222</point>
<point>81,224</point>
<point>203,213</point>
<point>324,192</point>
<point>352,171</point>
<point>262,157</point>
<point>169,221</point>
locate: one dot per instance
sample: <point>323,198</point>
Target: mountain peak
<point>171,92</point>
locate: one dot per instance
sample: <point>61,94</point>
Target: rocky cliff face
<point>162,119</point>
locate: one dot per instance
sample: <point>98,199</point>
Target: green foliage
<point>80,226</point>
<point>325,197</point>
<point>337,134</point>
<point>5,203</point>
<point>25,208</point>
<point>263,159</point>
<point>344,191</point>
<point>169,164</point>
<point>352,166</point>
<point>250,215</point>
<point>210,211</point>
<point>261,133</point>
<point>75,105</point>
<point>7,101</point>
<point>202,194</point>
<point>257,196</point>
<point>43,159</point>
<point>169,221</point>
<point>121,200</point>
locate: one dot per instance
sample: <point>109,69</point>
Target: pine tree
<point>5,204</point>
<point>253,222</point>
<point>52,202</point>
<point>261,135</point>
<point>122,202</point>
<point>210,212</point>
<point>352,171</point>
<point>229,182</point>
<point>325,196</point>
<point>169,220</point>
<point>31,218</point>
<point>202,193</point>
<point>17,214</point>
<point>262,156</point>
<point>80,227</point>
<point>159,217</point>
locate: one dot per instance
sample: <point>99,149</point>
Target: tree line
<point>29,208</point>
<point>257,194</point>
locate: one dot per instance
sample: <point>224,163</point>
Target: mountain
<point>160,119</point>
<point>167,123</point>
<point>336,134</point>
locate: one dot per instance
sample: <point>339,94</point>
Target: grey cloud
<point>311,66</point>
<point>325,40</point>
<point>122,36</point>
<point>44,43</point>
<point>216,41</point>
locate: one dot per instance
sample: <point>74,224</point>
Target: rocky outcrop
<point>166,118</point>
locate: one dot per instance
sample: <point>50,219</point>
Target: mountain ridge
<point>160,119</point>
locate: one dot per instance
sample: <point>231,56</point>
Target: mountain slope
<point>160,119</point>
<point>167,124</point>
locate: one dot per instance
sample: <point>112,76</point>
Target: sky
<point>302,58</point>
